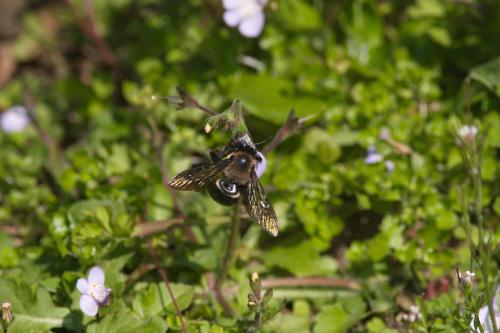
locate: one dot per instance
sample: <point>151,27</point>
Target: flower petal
<point>96,275</point>
<point>373,158</point>
<point>14,119</point>
<point>231,4</point>
<point>88,305</point>
<point>232,17</point>
<point>82,285</point>
<point>261,166</point>
<point>252,26</point>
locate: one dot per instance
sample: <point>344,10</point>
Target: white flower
<point>94,293</point>
<point>372,156</point>
<point>466,277</point>
<point>248,15</point>
<point>389,165</point>
<point>261,164</point>
<point>14,119</point>
<point>468,132</point>
<point>469,276</point>
<point>413,315</point>
<point>484,316</point>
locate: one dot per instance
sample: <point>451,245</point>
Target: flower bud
<point>255,284</point>
<point>267,297</point>
<point>7,312</point>
<point>252,302</point>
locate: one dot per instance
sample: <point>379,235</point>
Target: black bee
<point>233,174</point>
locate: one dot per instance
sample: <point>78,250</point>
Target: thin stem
<point>291,124</point>
<point>228,258</point>
<point>147,228</point>
<point>184,100</point>
<point>158,143</point>
<point>484,245</point>
<point>310,282</point>
<point>257,320</point>
<point>164,277</point>
<point>89,27</point>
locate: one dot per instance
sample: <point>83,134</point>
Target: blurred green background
<point>90,166</point>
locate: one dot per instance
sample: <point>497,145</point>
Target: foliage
<point>79,185</point>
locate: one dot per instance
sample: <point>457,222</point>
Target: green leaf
<point>272,98</point>
<point>376,325</point>
<point>488,74</point>
<point>33,311</point>
<point>124,320</point>
<point>301,259</point>
<point>156,299</point>
<point>332,319</point>
<point>298,15</point>
<point>338,318</point>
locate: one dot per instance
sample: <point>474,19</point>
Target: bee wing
<point>198,177</point>
<point>259,207</point>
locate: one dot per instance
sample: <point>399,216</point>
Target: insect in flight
<point>233,174</point>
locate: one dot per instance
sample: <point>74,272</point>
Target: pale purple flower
<point>389,165</point>
<point>372,156</point>
<point>385,134</point>
<point>484,316</point>
<point>94,293</point>
<point>468,132</point>
<point>261,164</point>
<point>247,15</point>
<point>14,119</point>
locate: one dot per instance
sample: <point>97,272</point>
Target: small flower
<point>413,315</point>
<point>465,278</point>
<point>14,119</point>
<point>468,277</point>
<point>261,164</point>
<point>248,15</point>
<point>255,284</point>
<point>7,312</point>
<point>389,165</point>
<point>484,316</point>
<point>94,293</point>
<point>468,133</point>
<point>385,134</point>
<point>372,156</point>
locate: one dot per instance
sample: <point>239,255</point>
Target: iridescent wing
<point>198,177</point>
<point>259,207</point>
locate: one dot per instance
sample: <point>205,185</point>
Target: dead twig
<point>148,228</point>
<point>88,25</point>
<point>291,125</point>
<point>310,282</point>
<point>184,100</point>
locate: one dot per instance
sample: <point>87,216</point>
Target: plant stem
<point>483,244</point>
<point>308,282</point>
<point>228,257</point>
<point>164,277</point>
<point>257,319</point>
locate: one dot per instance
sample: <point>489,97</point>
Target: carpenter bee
<point>233,175</point>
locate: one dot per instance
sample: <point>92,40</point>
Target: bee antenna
<point>263,141</point>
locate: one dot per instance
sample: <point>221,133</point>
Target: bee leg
<point>215,155</point>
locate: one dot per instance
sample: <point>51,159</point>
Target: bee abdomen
<point>224,192</point>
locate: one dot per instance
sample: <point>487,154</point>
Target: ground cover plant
<point>380,128</point>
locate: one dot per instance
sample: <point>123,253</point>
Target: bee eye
<point>243,162</point>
